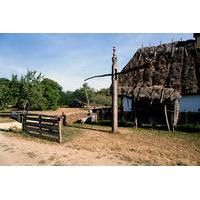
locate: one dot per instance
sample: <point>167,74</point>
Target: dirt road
<point>89,147</point>
<point>21,151</point>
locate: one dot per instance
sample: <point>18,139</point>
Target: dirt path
<point>21,151</point>
<point>8,125</point>
<point>89,147</point>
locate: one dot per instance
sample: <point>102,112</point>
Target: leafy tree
<point>68,97</point>
<point>82,93</point>
<point>52,93</point>
<point>4,97</point>
<point>101,97</point>
<point>30,93</point>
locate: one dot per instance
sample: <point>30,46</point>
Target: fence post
<point>40,127</point>
<point>60,129</point>
<point>64,119</point>
<point>23,122</point>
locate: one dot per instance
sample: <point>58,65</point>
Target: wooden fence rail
<point>43,125</point>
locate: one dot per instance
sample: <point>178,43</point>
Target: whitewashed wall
<point>190,103</point>
<point>127,104</point>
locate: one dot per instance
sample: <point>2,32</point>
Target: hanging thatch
<point>162,72</point>
<point>156,77</point>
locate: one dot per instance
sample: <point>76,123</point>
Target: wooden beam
<point>166,117</point>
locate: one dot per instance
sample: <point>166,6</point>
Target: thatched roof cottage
<point>154,80</point>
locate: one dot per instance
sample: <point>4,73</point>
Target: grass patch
<point>69,132</point>
<point>190,128</point>
<point>93,126</point>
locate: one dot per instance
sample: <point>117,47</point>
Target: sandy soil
<point>22,151</point>
<point>8,125</point>
<point>89,147</point>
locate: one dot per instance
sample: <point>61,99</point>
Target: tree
<point>52,93</point>
<point>68,97</point>
<point>4,89</point>
<point>80,94</point>
<point>30,93</point>
<point>102,97</point>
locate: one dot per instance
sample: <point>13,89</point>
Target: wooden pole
<point>23,122</point>
<point>40,122</point>
<point>60,130</point>
<point>88,101</point>
<point>114,93</point>
<point>134,113</point>
<point>166,117</point>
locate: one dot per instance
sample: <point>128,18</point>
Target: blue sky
<point>70,58</point>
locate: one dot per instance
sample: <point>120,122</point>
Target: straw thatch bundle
<point>162,72</point>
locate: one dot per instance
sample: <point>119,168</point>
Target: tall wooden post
<point>114,93</point>
<point>60,123</point>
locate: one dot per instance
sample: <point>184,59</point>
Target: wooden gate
<point>45,126</point>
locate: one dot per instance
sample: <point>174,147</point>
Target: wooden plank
<point>51,120</point>
<point>43,120</point>
<point>30,118</point>
<point>37,131</point>
<point>34,129</point>
<point>31,124</point>
<point>44,135</point>
<point>37,115</point>
<point>48,126</point>
<point>41,129</point>
<point>47,132</point>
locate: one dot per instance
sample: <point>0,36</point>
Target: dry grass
<point>6,120</point>
<point>142,146</point>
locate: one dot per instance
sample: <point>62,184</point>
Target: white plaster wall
<point>190,103</point>
<point>127,104</point>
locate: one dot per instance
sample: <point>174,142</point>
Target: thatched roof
<point>167,67</point>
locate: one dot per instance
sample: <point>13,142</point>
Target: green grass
<point>190,128</point>
<point>69,132</point>
<point>182,131</point>
<point>95,127</point>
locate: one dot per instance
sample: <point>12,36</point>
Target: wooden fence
<point>45,126</point>
<point>4,114</point>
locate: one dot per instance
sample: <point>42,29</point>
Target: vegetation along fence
<point>45,126</point>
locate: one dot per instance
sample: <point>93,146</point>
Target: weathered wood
<point>54,121</point>
<point>47,116</point>
<point>166,117</point>
<point>114,93</point>
<point>176,112</point>
<point>162,95</point>
<point>134,116</point>
<point>43,125</point>
<point>60,131</point>
<point>44,132</point>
